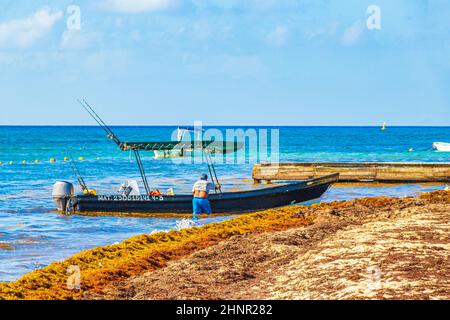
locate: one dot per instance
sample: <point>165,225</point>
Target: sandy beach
<point>370,248</point>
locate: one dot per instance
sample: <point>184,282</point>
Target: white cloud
<point>242,66</point>
<point>136,6</point>
<point>75,40</point>
<point>326,30</point>
<point>263,4</point>
<point>201,30</point>
<point>8,58</point>
<point>234,67</point>
<point>25,32</point>
<point>257,5</point>
<point>136,35</point>
<point>278,36</point>
<point>353,33</point>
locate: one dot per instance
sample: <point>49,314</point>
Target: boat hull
<point>232,202</point>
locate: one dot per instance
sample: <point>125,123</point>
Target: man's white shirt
<point>203,185</point>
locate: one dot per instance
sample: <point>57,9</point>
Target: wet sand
<point>370,248</point>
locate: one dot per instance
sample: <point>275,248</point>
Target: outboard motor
<point>63,191</point>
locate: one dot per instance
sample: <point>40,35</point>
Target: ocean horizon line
<point>215,126</point>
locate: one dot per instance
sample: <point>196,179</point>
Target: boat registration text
<point>130,198</point>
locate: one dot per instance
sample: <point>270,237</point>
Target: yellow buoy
<point>36,161</point>
<point>411,150</point>
<point>52,160</point>
<point>10,162</point>
<point>90,192</point>
<point>80,158</point>
<point>24,162</point>
<point>1,163</point>
<point>65,158</point>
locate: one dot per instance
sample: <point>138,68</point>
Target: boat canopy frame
<point>163,146</point>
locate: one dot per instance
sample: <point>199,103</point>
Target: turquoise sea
<point>32,235</point>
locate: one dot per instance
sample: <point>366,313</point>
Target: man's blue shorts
<point>201,205</point>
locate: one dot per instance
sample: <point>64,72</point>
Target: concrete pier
<point>386,172</point>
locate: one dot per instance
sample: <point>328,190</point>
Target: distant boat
<point>441,146</point>
<point>383,127</point>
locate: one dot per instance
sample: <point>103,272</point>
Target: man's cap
<point>204,177</point>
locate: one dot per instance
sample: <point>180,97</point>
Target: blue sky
<point>253,62</point>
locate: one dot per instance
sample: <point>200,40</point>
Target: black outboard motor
<point>63,191</point>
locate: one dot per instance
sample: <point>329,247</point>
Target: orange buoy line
<point>51,160</point>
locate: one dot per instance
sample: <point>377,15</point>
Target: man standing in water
<point>201,191</point>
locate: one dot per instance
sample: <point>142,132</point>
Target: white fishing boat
<point>441,146</point>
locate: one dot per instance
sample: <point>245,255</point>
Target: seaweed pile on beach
<point>106,265</point>
<point>365,248</point>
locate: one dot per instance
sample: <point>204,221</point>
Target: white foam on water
<point>184,224</point>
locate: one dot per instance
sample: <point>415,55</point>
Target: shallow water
<point>32,236</point>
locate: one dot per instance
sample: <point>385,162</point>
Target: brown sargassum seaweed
<point>103,266</point>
